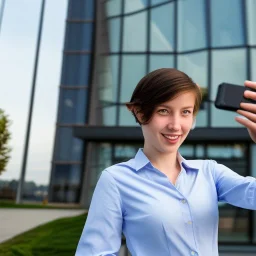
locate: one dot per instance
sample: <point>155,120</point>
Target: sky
<point>18,38</point>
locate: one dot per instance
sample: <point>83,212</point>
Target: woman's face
<point>169,125</point>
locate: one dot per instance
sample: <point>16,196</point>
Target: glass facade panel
<point>66,187</point>
<point>81,9</point>
<point>114,34</point>
<point>253,165</point>
<point>73,105</point>
<point>187,151</point>
<point>113,7</point>
<point>79,37</point>
<point>191,25</point>
<point>227,24</point>
<point>68,148</point>
<point>133,69</point>
<point>253,64</point>
<point>153,2</point>
<point>160,61</point>
<point>251,21</point>
<point>195,65</point>
<point>75,70</point>
<point>162,28</point>
<point>134,5</point>
<point>227,66</point>
<point>138,33</point>
<point>108,115</point>
<point>108,76</point>
<point>126,118</point>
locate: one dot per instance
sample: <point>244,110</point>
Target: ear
<point>135,111</point>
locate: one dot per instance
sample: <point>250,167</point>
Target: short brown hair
<point>158,87</point>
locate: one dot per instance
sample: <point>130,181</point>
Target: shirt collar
<point>141,161</point>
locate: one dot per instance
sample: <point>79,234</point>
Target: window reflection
<point>68,148</point>
<point>160,61</point>
<point>137,33</point>
<point>133,69</point>
<point>227,23</point>
<point>126,118</point>
<point>227,66</point>
<point>79,37</point>
<point>108,75</point>
<point>153,2</point>
<point>113,7</point>
<point>81,9</point>
<point>162,28</point>
<point>191,25</point>
<point>114,34</point>
<point>195,65</point>
<point>75,70</point>
<point>73,103</point>
<point>251,21</point>
<point>134,5</point>
<point>66,183</point>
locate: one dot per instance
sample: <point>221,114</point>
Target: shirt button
<point>183,201</point>
<point>190,222</point>
<point>193,253</point>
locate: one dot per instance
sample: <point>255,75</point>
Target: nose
<point>174,123</point>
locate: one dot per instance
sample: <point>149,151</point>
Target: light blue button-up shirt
<point>156,217</point>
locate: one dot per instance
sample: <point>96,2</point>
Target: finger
<point>247,123</point>
<point>247,114</point>
<point>250,84</point>
<point>250,95</point>
<point>249,107</point>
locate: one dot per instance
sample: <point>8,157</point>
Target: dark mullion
<point>248,77</point>
<point>176,52</point>
<point>141,10</point>
<point>246,37</point>
<point>148,37</point>
<point>120,62</point>
<point>209,59</point>
<point>175,46</point>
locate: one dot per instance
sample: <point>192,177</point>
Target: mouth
<point>171,138</point>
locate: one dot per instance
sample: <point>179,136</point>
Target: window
<point>227,66</point>
<point>81,9</point>
<point>133,69</point>
<point>79,37</point>
<point>68,148</point>
<point>113,7</point>
<point>162,28</point>
<point>73,106</point>
<point>191,25</point>
<point>227,23</point>
<point>114,34</point>
<point>135,32</point>
<point>76,69</point>
<point>134,5</point>
<point>160,61</point>
<point>251,21</point>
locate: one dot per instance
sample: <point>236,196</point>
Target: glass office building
<point>109,46</point>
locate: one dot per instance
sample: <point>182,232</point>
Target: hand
<point>249,111</point>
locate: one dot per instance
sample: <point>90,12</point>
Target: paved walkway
<point>16,221</point>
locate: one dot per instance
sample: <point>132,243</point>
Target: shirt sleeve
<point>233,188</point>
<point>102,232</point>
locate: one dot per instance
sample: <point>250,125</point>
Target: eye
<point>186,112</point>
<point>163,112</point>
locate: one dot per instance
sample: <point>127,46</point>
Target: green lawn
<point>58,238</point>
<point>12,204</point>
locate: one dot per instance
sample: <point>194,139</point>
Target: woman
<point>163,203</point>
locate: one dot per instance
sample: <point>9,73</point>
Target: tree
<point>5,136</point>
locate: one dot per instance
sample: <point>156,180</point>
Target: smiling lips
<point>171,138</point>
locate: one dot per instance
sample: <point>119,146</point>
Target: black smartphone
<point>229,96</point>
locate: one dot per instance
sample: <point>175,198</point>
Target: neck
<point>162,161</point>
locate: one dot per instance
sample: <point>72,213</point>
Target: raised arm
<point>103,228</point>
<point>233,188</point>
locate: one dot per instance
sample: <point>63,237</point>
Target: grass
<point>12,204</point>
<point>58,238</point>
